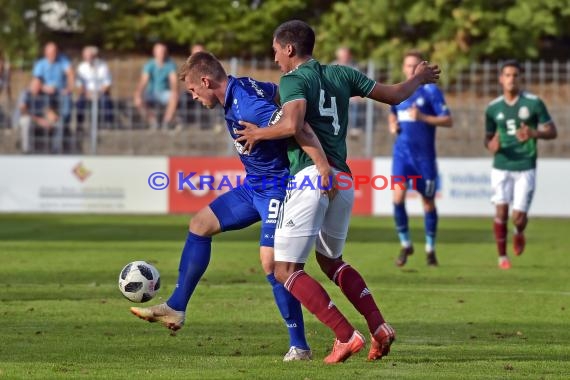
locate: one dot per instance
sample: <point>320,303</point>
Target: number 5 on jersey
<point>511,127</point>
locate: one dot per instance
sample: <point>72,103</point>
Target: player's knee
<point>429,204</point>
<point>267,264</point>
<point>519,219</point>
<point>281,274</point>
<point>328,265</point>
<point>203,225</point>
<point>284,270</point>
<point>399,197</point>
<point>502,213</point>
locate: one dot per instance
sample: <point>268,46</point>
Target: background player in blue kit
<point>414,122</point>
<point>258,199</point>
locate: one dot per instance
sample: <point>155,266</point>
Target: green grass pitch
<point>62,315</point>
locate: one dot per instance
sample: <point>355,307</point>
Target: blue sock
<point>401,218</point>
<point>193,263</point>
<point>291,312</point>
<point>430,223</point>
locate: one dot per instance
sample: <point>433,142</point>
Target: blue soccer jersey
<point>414,150</point>
<point>417,138</point>
<point>267,166</point>
<point>253,101</point>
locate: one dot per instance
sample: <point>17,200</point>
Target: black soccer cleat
<point>431,259</point>
<point>403,257</point>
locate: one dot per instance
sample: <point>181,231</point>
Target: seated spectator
<point>5,87</point>
<point>94,81</point>
<point>57,78</point>
<point>158,87</point>
<point>38,116</point>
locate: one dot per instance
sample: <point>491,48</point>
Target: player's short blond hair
<point>414,53</point>
<point>202,64</point>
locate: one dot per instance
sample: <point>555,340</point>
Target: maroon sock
<point>501,237</point>
<point>354,288</point>
<point>314,297</point>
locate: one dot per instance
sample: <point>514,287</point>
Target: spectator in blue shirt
<point>38,116</point>
<point>56,74</point>
<point>158,87</point>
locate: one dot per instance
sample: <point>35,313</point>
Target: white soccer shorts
<point>513,187</point>
<point>307,216</point>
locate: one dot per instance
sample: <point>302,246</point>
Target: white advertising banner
<point>77,184</point>
<point>464,188</point>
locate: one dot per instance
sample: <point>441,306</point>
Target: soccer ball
<point>139,281</point>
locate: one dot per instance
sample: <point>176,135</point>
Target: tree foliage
<point>455,31</point>
<point>227,28</point>
<point>18,28</point>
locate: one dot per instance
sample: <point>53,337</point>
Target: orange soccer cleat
<point>381,342</point>
<point>504,263</point>
<point>342,351</point>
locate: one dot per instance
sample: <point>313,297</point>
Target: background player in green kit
<point>320,94</point>
<point>513,123</point>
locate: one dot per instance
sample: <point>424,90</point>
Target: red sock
<point>354,288</point>
<point>314,297</point>
<point>501,236</point>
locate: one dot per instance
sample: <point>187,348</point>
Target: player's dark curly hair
<point>298,34</point>
<point>511,63</point>
<point>202,64</point>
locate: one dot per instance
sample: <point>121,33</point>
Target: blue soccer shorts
<point>241,207</point>
<point>407,166</point>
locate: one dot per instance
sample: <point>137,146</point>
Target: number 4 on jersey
<point>331,111</point>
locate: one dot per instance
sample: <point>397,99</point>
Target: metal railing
<point>120,128</point>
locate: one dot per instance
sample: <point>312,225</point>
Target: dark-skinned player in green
<point>513,123</point>
<point>319,95</point>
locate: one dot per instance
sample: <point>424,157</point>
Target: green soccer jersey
<point>505,119</point>
<point>327,90</point>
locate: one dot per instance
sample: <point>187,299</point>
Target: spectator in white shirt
<point>94,81</point>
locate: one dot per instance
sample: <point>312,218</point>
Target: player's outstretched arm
<point>290,123</point>
<point>397,93</point>
<point>437,121</point>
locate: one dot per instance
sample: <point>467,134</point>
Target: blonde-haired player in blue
<point>414,122</point>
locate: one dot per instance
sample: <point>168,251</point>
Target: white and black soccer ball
<point>139,281</point>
